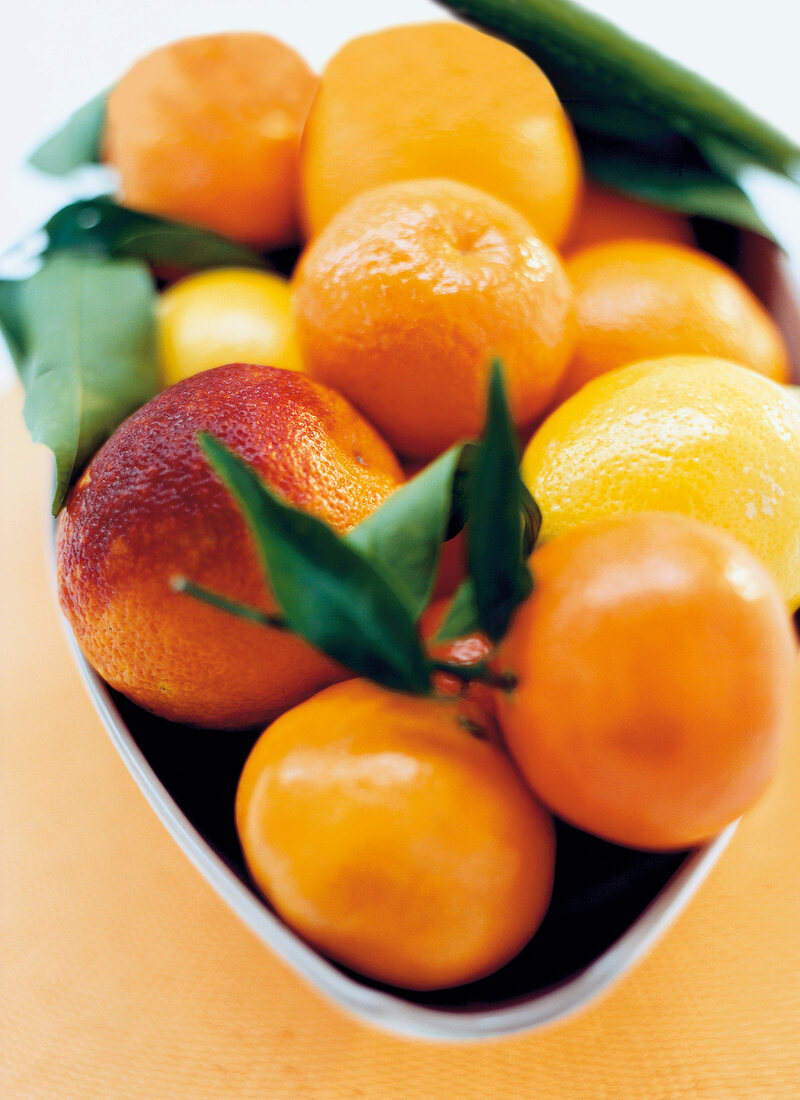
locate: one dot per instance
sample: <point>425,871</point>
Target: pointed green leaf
<point>11,319</point>
<point>462,616</point>
<point>683,183</point>
<point>495,549</point>
<point>101,226</point>
<point>328,592</point>
<point>85,329</point>
<point>403,537</point>
<point>588,58</point>
<point>77,142</point>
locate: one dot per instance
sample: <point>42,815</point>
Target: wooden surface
<point>124,977</point>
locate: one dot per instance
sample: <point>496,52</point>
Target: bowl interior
<point>600,888</point>
<point>602,891</point>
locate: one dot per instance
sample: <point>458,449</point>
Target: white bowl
<point>609,905</point>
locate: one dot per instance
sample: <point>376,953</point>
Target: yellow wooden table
<point>124,977</point>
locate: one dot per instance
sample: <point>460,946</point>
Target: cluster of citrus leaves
<point>371,585</point>
<point>81,330</point>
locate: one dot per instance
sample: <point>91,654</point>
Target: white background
<point>54,55</point>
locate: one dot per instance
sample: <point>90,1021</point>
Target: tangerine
<point>394,840</point>
<point>654,663</point>
<point>439,99</point>
<point>405,297</point>
<point>637,299</point>
<point>207,130</point>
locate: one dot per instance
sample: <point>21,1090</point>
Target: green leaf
<point>603,119</point>
<point>677,182</point>
<point>12,324</point>
<point>588,58</point>
<point>77,143</point>
<point>462,616</point>
<point>495,550</point>
<point>531,518</point>
<point>403,537</point>
<point>103,227</point>
<point>328,592</point>
<point>85,331</point>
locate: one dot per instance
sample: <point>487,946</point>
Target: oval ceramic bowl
<point>609,903</point>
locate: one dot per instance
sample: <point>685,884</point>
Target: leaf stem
<point>480,671</point>
<point>243,611</point>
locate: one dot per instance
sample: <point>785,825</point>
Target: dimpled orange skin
<point>392,839</point>
<point>654,662</point>
<point>207,130</point>
<point>439,99</point>
<point>604,215</point>
<point>406,296</point>
<point>638,299</point>
<point>149,507</point>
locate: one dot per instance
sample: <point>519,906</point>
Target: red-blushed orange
<point>149,507</point>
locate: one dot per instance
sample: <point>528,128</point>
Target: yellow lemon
<point>228,315</point>
<point>692,434</point>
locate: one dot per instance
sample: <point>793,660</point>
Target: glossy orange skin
<point>394,840</point>
<point>439,99</point>
<point>637,299</point>
<point>604,215</point>
<point>207,130</point>
<point>654,663</point>
<point>409,292</point>
<point>149,507</point>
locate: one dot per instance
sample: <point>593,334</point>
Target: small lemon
<point>692,434</point>
<point>228,315</point>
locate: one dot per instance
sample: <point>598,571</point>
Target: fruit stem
<point>480,671</point>
<point>244,611</point>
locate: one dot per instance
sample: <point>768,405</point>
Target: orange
<point>638,299</point>
<point>654,663</point>
<point>149,507</point>
<point>228,315</point>
<point>394,840</point>
<point>207,130</point>
<point>404,298</point>
<point>439,99</point>
<point>604,215</point>
<point>688,434</point>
